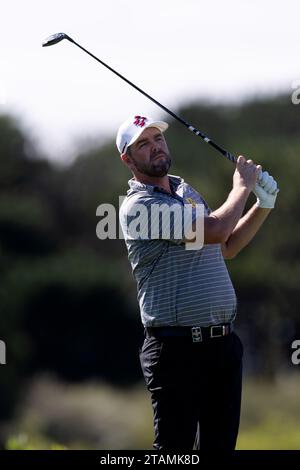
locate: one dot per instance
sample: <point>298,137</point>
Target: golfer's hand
<point>246,173</point>
<point>266,191</point>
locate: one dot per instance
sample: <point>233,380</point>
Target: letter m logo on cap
<point>139,121</point>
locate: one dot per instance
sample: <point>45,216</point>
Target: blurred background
<point>68,310</point>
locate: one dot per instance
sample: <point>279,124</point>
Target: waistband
<point>196,333</point>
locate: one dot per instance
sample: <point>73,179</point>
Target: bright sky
<point>177,51</point>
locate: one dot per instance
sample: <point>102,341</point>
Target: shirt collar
<point>135,186</point>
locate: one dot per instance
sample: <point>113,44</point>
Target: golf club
<point>55,38</point>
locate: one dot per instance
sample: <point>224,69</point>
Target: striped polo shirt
<point>176,286</point>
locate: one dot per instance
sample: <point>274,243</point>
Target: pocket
<point>150,358</point>
<point>151,348</point>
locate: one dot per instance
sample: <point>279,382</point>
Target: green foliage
<point>98,416</point>
<point>93,415</point>
<point>24,442</point>
<point>270,415</point>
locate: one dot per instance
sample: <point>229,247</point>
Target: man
<point>191,358</point>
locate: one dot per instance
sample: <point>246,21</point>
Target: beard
<point>158,166</point>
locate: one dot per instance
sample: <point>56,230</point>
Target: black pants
<point>193,383</point>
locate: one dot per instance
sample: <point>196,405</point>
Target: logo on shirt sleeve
<point>191,201</point>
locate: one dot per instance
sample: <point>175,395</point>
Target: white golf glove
<point>266,191</point>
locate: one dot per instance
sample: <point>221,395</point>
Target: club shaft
<point>224,152</point>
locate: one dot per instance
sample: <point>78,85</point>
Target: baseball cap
<point>132,128</point>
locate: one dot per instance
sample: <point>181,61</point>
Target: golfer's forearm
<point>244,231</point>
<point>219,225</point>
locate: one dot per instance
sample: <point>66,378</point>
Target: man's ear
<point>127,160</point>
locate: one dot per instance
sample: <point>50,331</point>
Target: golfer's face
<point>150,153</point>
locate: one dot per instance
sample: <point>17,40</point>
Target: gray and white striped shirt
<point>176,287</point>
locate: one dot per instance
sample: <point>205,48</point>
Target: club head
<point>54,39</point>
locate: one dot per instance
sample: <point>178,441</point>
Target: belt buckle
<point>212,335</point>
<point>196,334</point>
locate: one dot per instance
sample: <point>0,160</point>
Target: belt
<point>196,333</point>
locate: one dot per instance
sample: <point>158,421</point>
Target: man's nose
<point>155,145</point>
